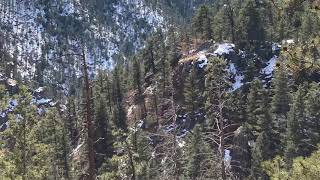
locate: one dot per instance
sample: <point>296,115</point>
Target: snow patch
<point>238,77</point>
<point>227,156</point>
<point>39,90</point>
<point>238,82</point>
<point>52,104</point>
<point>288,41</point>
<point>13,103</point>
<point>276,47</point>
<point>203,61</point>
<point>181,144</point>
<point>268,70</point>
<point>43,101</point>
<point>140,124</point>
<point>12,82</point>
<point>224,48</point>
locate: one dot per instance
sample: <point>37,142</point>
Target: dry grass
<point>189,59</point>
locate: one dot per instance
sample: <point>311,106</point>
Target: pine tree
<point>103,134</point>
<point>311,126</point>
<point>217,87</point>
<point>202,23</point>
<point>280,104</point>
<point>264,146</point>
<point>241,153</point>
<point>253,106</point>
<point>258,156</point>
<point>24,137</point>
<point>250,28</point>
<point>193,102</point>
<point>133,155</point>
<point>294,132</point>
<point>194,156</point>
<point>173,51</point>
<point>50,133</point>
<point>148,55</point>
<point>72,121</point>
<point>163,67</point>
<point>119,114</point>
<point>137,82</point>
<point>88,119</point>
<point>224,23</point>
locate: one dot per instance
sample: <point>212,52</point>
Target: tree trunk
<point>89,121</point>
<point>222,139</point>
<point>131,161</point>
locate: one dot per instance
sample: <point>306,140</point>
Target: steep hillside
<point>159,89</point>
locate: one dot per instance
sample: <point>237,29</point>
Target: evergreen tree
<point>241,153</point>
<point>72,121</point>
<point>254,106</point>
<point>137,81</point>
<point>119,114</point>
<point>103,134</point>
<point>264,145</point>
<point>224,23</point>
<point>137,85</point>
<point>217,87</point>
<point>258,156</point>
<point>88,119</point>
<point>34,148</point>
<point>193,102</point>
<point>202,23</point>
<point>173,48</point>
<point>311,126</point>
<point>163,67</point>
<point>194,156</point>
<point>250,28</point>
<point>294,132</point>
<point>280,104</point>
<point>148,56</point>
<point>302,168</point>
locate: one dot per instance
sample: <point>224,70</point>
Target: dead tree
<point>89,118</point>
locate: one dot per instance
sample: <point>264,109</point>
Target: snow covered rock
<point>202,61</point>
<point>268,70</point>
<point>224,48</point>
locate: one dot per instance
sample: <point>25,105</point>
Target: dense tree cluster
<point>157,112</point>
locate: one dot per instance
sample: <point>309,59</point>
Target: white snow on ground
<point>140,124</point>
<point>53,104</point>
<point>63,107</point>
<point>12,105</point>
<point>276,47</point>
<point>268,70</point>
<point>238,82</point>
<point>43,101</point>
<point>227,156</point>
<point>238,77</point>
<point>3,114</point>
<point>12,82</point>
<point>288,41</point>
<point>232,69</point>
<point>224,48</point>
<point>181,143</point>
<point>39,90</point>
<point>203,61</point>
